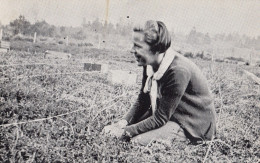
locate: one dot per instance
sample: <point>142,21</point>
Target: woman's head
<point>149,40</point>
<point>156,35</point>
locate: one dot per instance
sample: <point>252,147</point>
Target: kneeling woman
<point>174,101</point>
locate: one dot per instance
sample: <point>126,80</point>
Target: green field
<point>47,117</point>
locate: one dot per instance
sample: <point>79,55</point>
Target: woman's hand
<point>116,129</point>
<point>113,130</point>
<point>122,123</point>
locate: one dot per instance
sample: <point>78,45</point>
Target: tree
<point>97,26</point>
<point>192,37</point>
<point>172,34</point>
<point>43,28</point>
<point>110,28</point>
<point>229,37</point>
<point>84,22</point>
<point>219,37</point>
<point>62,29</point>
<point>52,31</point>
<point>20,25</point>
<point>207,39</point>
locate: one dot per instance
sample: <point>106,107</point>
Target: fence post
<point>212,57</point>
<point>34,38</point>
<point>1,34</point>
<point>99,41</point>
<point>67,40</point>
<point>212,60</point>
<point>250,59</point>
<point>250,62</point>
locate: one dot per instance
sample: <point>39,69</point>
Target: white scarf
<point>151,84</point>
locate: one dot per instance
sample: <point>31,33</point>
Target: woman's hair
<point>156,35</point>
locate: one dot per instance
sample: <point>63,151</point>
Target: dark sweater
<point>183,97</point>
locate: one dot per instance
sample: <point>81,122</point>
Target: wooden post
<point>34,37</point>
<point>250,62</point>
<point>212,61</point>
<point>67,40</point>
<point>104,68</point>
<point>1,34</point>
<point>250,59</point>
<point>252,77</point>
<point>212,57</point>
<point>99,41</point>
<point>122,77</point>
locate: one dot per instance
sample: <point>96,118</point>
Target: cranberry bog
<point>54,111</point>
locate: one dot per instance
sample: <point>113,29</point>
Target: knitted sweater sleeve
<point>174,85</point>
<point>141,104</point>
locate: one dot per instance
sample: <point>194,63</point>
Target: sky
<point>207,16</point>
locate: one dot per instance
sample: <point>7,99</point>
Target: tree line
<point>21,26</point>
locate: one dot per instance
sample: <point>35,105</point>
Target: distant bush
<point>179,51</point>
<point>85,44</point>
<point>72,44</point>
<point>22,38</point>
<point>200,55</point>
<point>40,47</point>
<point>43,39</point>
<point>188,55</point>
<point>258,63</point>
<point>60,42</point>
<point>53,43</point>
<point>219,60</point>
<point>7,38</point>
<point>235,59</point>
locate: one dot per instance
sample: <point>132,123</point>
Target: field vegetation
<point>59,118</point>
<point>54,111</point>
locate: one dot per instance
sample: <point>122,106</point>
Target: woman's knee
<point>141,140</point>
<point>171,131</point>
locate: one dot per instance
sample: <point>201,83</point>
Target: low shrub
<point>200,55</point>
<point>188,55</point>
<point>85,44</point>
<point>235,59</point>
<point>219,60</point>
<point>22,38</point>
<point>43,39</point>
<point>68,112</point>
<point>60,42</point>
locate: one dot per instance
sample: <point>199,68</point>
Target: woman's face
<point>141,50</point>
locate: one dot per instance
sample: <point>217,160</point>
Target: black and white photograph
<point>129,81</point>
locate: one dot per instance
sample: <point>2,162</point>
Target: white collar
<point>166,61</point>
<point>151,84</point>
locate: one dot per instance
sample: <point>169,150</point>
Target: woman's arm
<point>141,104</point>
<point>173,89</point>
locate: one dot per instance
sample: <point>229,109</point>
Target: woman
<point>174,100</point>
